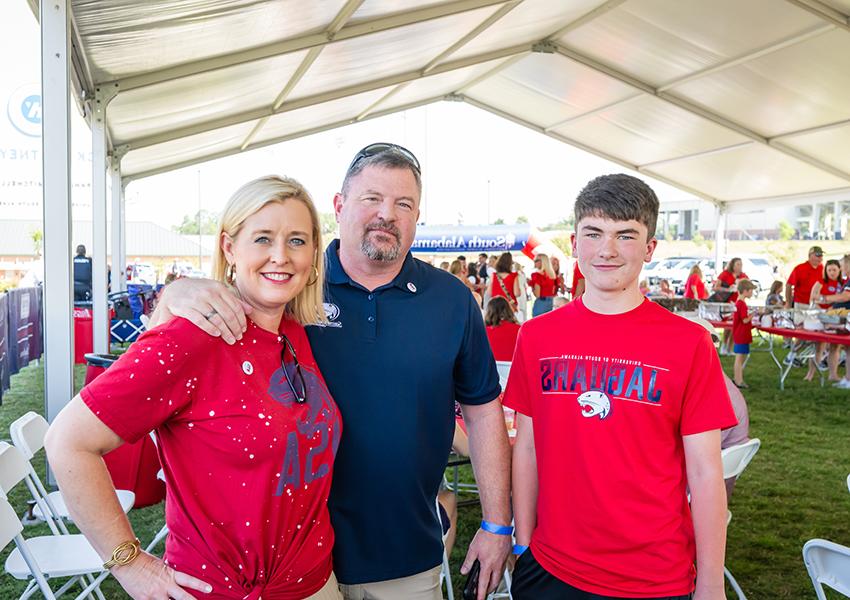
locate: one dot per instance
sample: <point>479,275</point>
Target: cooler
<point>83,334</point>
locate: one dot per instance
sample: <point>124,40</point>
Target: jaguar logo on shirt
<point>594,404</point>
<point>600,380</point>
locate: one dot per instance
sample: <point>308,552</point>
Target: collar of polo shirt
<point>335,273</point>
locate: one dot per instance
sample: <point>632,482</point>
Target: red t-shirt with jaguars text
<point>247,468</point>
<point>611,397</point>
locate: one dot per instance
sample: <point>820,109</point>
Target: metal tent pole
<point>56,152</point>
<point>99,164</point>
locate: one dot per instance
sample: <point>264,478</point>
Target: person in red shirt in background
<point>742,330</point>
<point>728,279</point>
<point>695,286</point>
<point>725,285</point>
<point>614,424</point>
<point>560,286</point>
<point>577,288</point>
<point>798,288</point>
<point>832,283</point>
<point>502,328</point>
<point>247,434</point>
<point>505,281</point>
<point>543,284</point>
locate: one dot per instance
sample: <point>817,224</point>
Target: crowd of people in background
<point>500,276</point>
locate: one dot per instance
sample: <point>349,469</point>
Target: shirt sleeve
<point>516,392</point>
<point>151,382</point>
<point>795,274</point>
<point>706,405</point>
<point>475,377</point>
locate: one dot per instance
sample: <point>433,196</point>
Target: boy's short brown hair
<point>745,285</point>
<point>619,197</point>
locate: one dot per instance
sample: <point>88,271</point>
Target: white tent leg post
<point>56,153</point>
<point>719,238</point>
<point>122,246</point>
<point>100,317</point>
<point>115,225</point>
<point>836,220</point>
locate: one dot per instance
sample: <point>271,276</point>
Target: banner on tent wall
<point>486,238</point>
<point>5,369</point>
<point>24,328</point>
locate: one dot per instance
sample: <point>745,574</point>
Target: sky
<point>477,167</point>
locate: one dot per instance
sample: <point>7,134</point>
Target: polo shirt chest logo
<point>332,313</point>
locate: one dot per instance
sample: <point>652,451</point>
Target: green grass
<point>794,489</point>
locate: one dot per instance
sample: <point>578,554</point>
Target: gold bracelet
<point>124,554</point>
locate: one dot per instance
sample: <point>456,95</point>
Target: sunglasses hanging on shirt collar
<point>296,382</point>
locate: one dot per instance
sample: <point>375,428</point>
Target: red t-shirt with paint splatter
<point>247,468</point>
<point>611,397</point>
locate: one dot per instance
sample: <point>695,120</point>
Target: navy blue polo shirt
<point>395,360</point>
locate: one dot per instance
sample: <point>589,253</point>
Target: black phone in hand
<point>470,589</point>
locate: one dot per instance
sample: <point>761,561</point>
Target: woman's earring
<point>230,274</point>
<point>315,276</point>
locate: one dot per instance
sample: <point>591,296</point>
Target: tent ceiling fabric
<point>729,100</point>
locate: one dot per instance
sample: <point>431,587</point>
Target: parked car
<point>758,268</point>
<point>141,273</point>
<point>675,270</point>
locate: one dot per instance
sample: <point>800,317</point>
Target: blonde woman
<point>459,270</point>
<point>247,433</point>
<point>543,285</point>
<point>695,286</point>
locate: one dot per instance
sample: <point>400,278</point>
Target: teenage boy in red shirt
<point>615,423</point>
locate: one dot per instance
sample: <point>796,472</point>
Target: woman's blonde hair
<point>546,264</point>
<point>307,306</point>
<point>695,270</point>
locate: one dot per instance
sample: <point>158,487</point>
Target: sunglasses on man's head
<point>373,149</point>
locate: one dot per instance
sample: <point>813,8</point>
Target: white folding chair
<point>40,558</point>
<point>828,564</point>
<point>28,436</point>
<point>735,460</point>
<point>503,367</point>
<point>445,571</point>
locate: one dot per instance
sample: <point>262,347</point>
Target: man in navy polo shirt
<point>404,342</point>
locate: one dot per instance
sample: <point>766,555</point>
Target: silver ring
<point>211,314</point>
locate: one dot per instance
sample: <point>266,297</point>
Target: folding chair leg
<point>93,586</point>
<point>734,584</point>
<point>32,588</point>
<point>447,577</point>
<point>157,538</point>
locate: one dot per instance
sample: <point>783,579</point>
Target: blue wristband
<point>497,529</point>
<point>518,549</point>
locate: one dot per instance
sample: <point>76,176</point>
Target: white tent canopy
<point>727,100</point>
<point>739,103</point>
